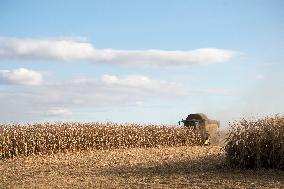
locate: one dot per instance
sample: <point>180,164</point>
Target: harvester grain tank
<point>209,129</point>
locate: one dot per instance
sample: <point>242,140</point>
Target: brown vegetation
<point>47,138</point>
<point>133,156</point>
<point>257,143</point>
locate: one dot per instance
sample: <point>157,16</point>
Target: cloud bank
<point>143,83</point>
<point>59,112</point>
<point>21,76</point>
<point>68,98</point>
<point>75,50</point>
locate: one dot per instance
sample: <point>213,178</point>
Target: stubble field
<point>164,167</point>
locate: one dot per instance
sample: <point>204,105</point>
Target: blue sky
<point>140,61</point>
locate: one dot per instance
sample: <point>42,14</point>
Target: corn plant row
<point>256,144</point>
<point>50,138</point>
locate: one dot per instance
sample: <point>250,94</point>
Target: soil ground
<point>171,167</point>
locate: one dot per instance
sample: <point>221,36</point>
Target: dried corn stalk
<point>49,138</point>
<point>256,143</point>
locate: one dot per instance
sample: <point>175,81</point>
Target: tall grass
<point>49,138</point>
<point>256,144</point>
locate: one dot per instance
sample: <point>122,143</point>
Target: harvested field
<point>75,155</point>
<point>164,167</point>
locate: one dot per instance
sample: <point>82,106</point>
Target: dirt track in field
<point>178,167</point>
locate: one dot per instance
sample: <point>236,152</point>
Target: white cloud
<point>57,99</point>
<point>139,103</point>
<point>75,50</point>
<point>59,112</point>
<point>21,76</point>
<point>143,83</point>
<point>213,91</point>
<point>130,81</point>
<point>259,77</point>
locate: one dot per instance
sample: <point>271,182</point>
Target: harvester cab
<point>207,128</point>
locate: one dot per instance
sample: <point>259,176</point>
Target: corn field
<point>50,138</point>
<point>256,144</point>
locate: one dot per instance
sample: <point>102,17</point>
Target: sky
<point>140,61</point>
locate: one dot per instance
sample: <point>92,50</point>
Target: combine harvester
<point>209,129</point>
